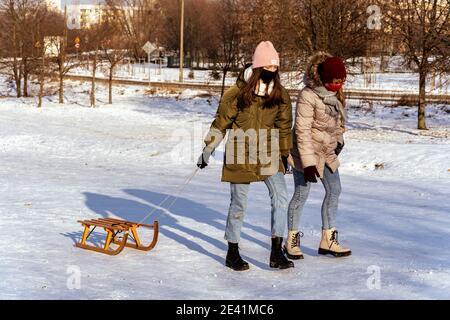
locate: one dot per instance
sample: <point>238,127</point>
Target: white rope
<point>176,194</point>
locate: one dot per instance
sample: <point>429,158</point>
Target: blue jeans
<point>332,184</point>
<point>239,195</point>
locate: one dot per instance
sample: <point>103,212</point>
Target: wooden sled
<point>114,228</point>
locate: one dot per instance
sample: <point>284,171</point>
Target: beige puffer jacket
<point>316,129</point>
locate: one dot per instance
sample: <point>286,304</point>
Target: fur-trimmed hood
<point>311,77</point>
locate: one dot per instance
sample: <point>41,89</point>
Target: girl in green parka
<point>257,113</point>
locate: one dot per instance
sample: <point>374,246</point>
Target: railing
<point>352,94</point>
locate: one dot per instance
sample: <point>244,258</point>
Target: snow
<point>63,163</point>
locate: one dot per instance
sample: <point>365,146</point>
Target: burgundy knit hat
<point>332,68</point>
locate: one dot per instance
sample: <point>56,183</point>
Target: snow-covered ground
<point>68,162</point>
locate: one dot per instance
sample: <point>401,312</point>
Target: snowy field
<point>60,164</point>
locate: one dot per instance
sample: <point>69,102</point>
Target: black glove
<point>339,148</point>
<point>202,162</point>
<point>284,159</point>
<point>310,174</point>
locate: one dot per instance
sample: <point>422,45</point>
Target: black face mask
<point>267,76</point>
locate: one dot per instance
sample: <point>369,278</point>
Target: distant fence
<point>352,94</point>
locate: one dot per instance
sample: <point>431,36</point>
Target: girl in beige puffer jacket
<point>318,139</point>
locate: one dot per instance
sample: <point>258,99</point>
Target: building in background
<point>54,4</point>
<point>82,14</point>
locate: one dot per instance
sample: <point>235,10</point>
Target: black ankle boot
<point>277,257</point>
<point>234,260</point>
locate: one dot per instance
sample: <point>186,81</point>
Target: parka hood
<point>244,75</point>
<point>311,77</point>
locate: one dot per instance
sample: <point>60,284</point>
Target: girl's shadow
<point>196,211</point>
<point>127,209</point>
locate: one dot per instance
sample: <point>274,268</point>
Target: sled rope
<point>175,195</point>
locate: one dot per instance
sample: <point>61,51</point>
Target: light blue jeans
<point>332,184</point>
<point>239,196</point>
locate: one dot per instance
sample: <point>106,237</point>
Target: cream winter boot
<point>292,245</point>
<point>330,245</point>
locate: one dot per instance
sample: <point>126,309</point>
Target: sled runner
<point>118,232</point>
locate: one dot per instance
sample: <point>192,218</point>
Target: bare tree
<point>138,20</point>
<point>17,39</point>
<point>200,28</point>
<point>299,28</point>
<point>95,43</point>
<point>44,27</point>
<point>92,98</point>
<point>114,47</point>
<point>423,28</point>
<point>229,33</point>
<point>98,36</point>
<point>23,25</point>
<point>338,27</point>
<point>11,64</point>
<point>65,61</point>
<point>41,46</point>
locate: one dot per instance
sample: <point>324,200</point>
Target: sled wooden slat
<point>115,228</point>
<point>103,224</point>
<point>126,222</point>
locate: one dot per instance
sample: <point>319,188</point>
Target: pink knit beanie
<point>265,55</point>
